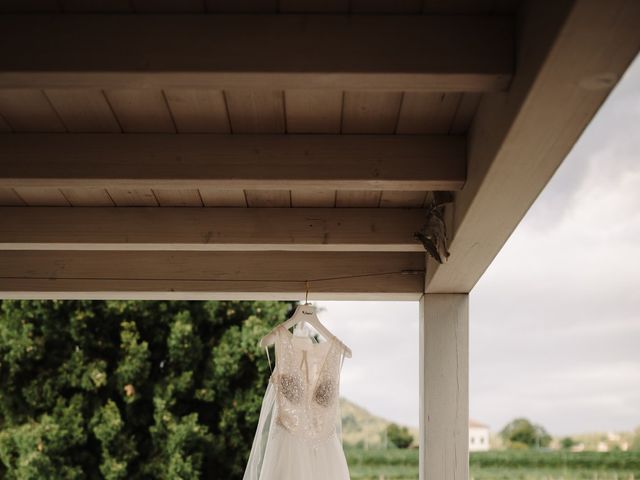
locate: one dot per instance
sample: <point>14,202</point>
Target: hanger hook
<point>306,294</point>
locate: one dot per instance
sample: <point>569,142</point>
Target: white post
<point>444,387</point>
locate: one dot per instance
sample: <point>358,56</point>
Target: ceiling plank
<point>216,197</point>
<point>313,6</point>
<point>198,111</point>
<point>29,111</point>
<point>83,110</point>
<point>8,197</point>
<point>42,196</point>
<point>96,6</point>
<point>278,162</point>
<point>294,229</point>
<point>350,52</point>
<point>572,54</point>
<point>210,275</point>
<point>257,111</point>
<point>358,198</point>
<point>88,197</point>
<point>124,197</point>
<point>141,110</point>
<point>178,197</point>
<point>386,6</point>
<point>313,198</point>
<point>313,111</point>
<point>395,199</point>
<point>268,198</point>
<point>168,6</point>
<point>30,6</point>
<point>4,126</point>
<point>242,6</point>
<point>427,113</point>
<point>371,112</point>
<point>465,112</point>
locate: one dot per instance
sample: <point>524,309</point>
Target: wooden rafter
<point>342,52</point>
<point>210,229</point>
<point>391,162</point>
<point>210,275</point>
<point>571,55</point>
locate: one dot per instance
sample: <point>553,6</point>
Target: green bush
<point>521,432</point>
<point>120,389</point>
<point>399,436</point>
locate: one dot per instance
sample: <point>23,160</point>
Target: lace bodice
<point>306,379</point>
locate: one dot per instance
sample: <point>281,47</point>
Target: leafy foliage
<point>399,436</point>
<point>522,433</point>
<point>635,444</point>
<point>123,389</point>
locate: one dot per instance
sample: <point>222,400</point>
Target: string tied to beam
<point>307,282</point>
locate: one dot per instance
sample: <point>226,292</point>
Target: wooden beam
<point>339,52</point>
<point>385,162</point>
<point>210,275</point>
<point>571,54</point>
<point>444,387</point>
<point>210,229</point>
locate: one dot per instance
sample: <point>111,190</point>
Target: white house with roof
<point>478,436</point>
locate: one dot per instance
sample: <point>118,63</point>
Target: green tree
<point>567,442</point>
<point>635,443</point>
<point>135,390</point>
<point>399,436</point>
<point>522,432</point>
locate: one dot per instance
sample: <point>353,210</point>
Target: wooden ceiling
<point>377,90</point>
<point>351,111</point>
<point>261,6</point>
<point>237,112</point>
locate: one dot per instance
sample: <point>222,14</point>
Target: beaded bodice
<point>306,378</point>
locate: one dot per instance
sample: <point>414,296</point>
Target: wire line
<point>275,280</point>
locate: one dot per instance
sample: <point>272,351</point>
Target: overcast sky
<point>555,320</point>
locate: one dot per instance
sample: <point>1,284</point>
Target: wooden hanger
<point>303,313</point>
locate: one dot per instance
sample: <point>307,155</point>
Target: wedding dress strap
<point>268,358</point>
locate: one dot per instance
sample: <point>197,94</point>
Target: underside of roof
<point>310,136</point>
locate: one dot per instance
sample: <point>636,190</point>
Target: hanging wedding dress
<point>299,434</point>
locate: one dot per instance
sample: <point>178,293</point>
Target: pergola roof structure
<point>247,148</point>
<point>317,129</point>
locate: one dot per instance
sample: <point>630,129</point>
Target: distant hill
<point>359,426</point>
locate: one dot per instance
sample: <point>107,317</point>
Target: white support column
<point>444,386</point>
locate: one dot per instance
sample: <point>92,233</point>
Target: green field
<point>502,465</point>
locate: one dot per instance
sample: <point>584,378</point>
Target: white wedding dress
<point>299,431</point>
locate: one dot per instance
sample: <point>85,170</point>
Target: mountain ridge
<point>363,428</point>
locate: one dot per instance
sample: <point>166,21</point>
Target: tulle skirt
<point>290,457</point>
<point>277,454</point>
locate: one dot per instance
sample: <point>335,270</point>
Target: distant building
<point>578,447</point>
<point>478,436</point>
